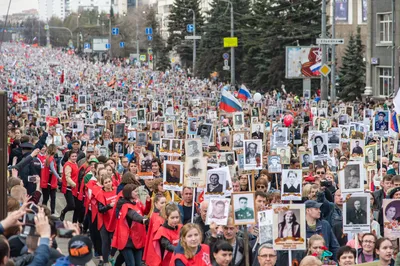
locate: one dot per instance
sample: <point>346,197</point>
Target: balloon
<point>317,99</point>
<point>288,120</point>
<point>257,97</point>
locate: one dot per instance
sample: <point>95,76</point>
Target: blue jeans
<point>132,256</point>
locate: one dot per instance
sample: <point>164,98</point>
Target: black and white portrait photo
<point>357,149</point>
<point>155,136</point>
<point>356,213</point>
<point>289,225</point>
<point>255,112</point>
<point>204,132</point>
<point>193,148</point>
<point>238,120</point>
<point>243,207</point>
<point>257,131</point>
<point>217,212</point>
<point>141,115</point>
<point>305,160</point>
<point>281,136</point>
<point>320,147</point>
<point>252,154</point>
<point>173,175</point>
<point>103,150</point>
<point>344,132</point>
<point>141,139</point>
<point>370,155</point>
<point>230,158</point>
<point>343,119</point>
<point>297,136</point>
<point>169,130</point>
<point>225,142</point>
<point>133,122</point>
<point>284,153</point>
<point>352,178</point>
<point>192,126</point>
<point>238,140</point>
<point>333,137</point>
<point>265,226</point>
<point>274,164</point>
<point>291,189</point>
<point>119,147</point>
<point>82,99</point>
<point>131,136</point>
<point>324,125</point>
<point>216,182</point>
<point>119,130</point>
<point>176,146</point>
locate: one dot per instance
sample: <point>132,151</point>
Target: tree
<point>352,72</point>
<point>217,27</point>
<point>274,25</point>
<point>34,32</point>
<point>58,37</point>
<point>179,18</point>
<point>158,45</point>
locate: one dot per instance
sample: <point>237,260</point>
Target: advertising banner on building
<point>342,11</point>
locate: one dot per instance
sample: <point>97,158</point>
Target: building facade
<point>382,49</point>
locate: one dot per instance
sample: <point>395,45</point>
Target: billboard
<point>303,62</point>
<point>99,44</point>
<point>342,11</point>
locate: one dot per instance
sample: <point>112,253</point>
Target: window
<point>385,28</point>
<point>385,81</point>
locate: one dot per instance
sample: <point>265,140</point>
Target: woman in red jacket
<point>115,175</point>
<point>190,251</point>
<point>49,178</point>
<point>130,231</point>
<point>106,201</point>
<point>69,183</point>
<point>167,236</point>
<point>156,221</point>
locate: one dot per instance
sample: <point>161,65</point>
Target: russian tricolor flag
<point>243,93</point>
<point>229,103</point>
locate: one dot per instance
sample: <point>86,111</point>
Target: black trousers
<point>106,238</point>
<point>49,193</point>
<point>79,212</point>
<point>94,234</point>
<point>69,198</point>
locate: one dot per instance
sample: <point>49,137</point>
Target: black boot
<point>62,216</point>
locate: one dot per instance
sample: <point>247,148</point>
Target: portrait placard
<point>195,173</point>
<point>252,154</point>
<point>291,188</point>
<point>289,216</point>
<point>173,175</point>
<point>352,177</point>
<point>244,208</point>
<point>265,226</point>
<point>391,218</point>
<point>356,213</point>
<point>218,210</point>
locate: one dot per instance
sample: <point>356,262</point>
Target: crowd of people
<point>146,161</point>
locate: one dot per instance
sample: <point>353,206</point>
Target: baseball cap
<point>94,160</point>
<point>312,204</point>
<point>80,250</point>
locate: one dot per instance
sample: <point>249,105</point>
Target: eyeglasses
<point>320,173</point>
<point>265,256</point>
<point>369,242</point>
<point>260,186</point>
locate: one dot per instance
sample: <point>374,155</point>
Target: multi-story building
<point>382,75</point>
<point>51,8</point>
<point>17,18</point>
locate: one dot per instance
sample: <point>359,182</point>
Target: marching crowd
<point>63,137</point>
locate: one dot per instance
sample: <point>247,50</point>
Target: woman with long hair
<point>316,247</point>
<point>69,183</point>
<point>105,202</point>
<point>130,231</point>
<point>167,236</point>
<point>49,178</point>
<point>384,250</point>
<point>289,227</point>
<point>156,221</point>
<point>158,189</point>
<point>190,251</point>
<point>111,170</point>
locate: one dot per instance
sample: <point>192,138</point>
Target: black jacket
<point>212,242</point>
<point>379,196</point>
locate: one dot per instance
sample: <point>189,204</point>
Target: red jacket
<point>156,221</point>
<point>106,198</point>
<point>74,177</point>
<point>91,202</point>
<point>202,258</point>
<point>46,177</point>
<point>137,231</point>
<point>172,236</point>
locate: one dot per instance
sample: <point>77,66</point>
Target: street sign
<point>122,44</point>
<point>189,27</point>
<point>149,51</point>
<point>46,27</point>
<point>226,68</point>
<point>230,42</point>
<point>142,57</point>
<point>115,31</point>
<point>330,41</point>
<point>225,56</point>
<point>108,46</point>
<point>87,50</point>
<point>149,31</point>
<point>192,37</point>
<point>226,63</point>
<point>325,70</point>
<point>86,45</point>
<point>149,37</point>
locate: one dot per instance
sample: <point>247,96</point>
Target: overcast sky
<point>17,6</point>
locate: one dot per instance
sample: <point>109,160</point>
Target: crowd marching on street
<point>162,168</point>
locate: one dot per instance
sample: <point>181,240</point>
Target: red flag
<point>51,121</point>
<point>62,77</point>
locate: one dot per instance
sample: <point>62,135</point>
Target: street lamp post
<point>232,48</point>
<point>77,31</point>
<point>109,37</point>
<point>194,41</point>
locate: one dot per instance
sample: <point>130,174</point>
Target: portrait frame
<point>170,184</point>
<point>222,174</point>
<point>265,226</point>
<point>213,202</point>
<point>195,176</point>
<point>351,186</point>
<point>140,142</point>
<point>303,164</point>
<point>391,224</point>
<point>290,192</point>
<point>278,168</point>
<point>190,144</point>
<point>238,120</point>
<point>253,161</point>
<point>353,220</point>
<point>382,130</point>
<point>249,213</point>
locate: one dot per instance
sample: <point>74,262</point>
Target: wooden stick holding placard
<point>276,181</point>
<point>246,246</point>
<point>193,205</point>
<point>253,180</point>
<point>356,245</point>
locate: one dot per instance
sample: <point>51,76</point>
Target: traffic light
<point>151,58</point>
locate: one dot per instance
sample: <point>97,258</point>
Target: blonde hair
<point>312,239</point>
<point>310,261</point>
<point>168,209</point>
<point>189,254</point>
